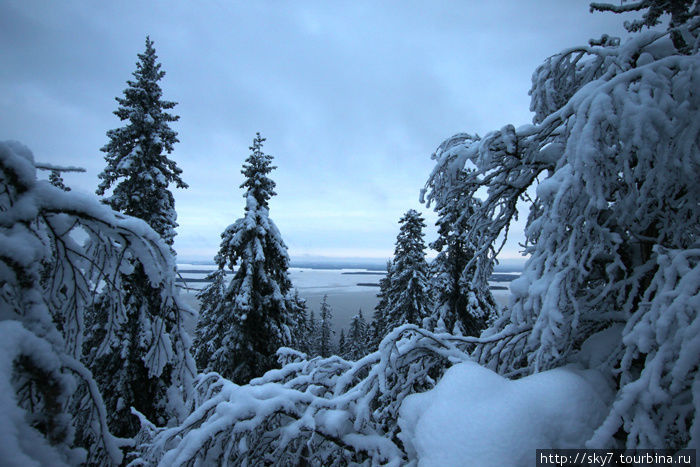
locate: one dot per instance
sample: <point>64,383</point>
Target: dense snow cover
<point>47,280</point>
<point>613,230</point>
<point>599,346</point>
<point>21,444</point>
<point>320,410</point>
<point>477,417</point>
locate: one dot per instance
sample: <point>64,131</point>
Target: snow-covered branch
<point>58,248</point>
<point>58,168</point>
<point>612,157</point>
<point>322,410</point>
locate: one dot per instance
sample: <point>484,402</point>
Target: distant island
<point>366,273</point>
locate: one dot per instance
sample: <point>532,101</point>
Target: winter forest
<point>598,346</point>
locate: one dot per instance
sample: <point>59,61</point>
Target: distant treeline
<point>494,277</point>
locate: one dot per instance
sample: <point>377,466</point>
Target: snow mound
<point>474,416</point>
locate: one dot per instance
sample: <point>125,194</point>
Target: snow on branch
<point>612,158</point>
<point>658,402</point>
<point>47,281</point>
<point>622,8</point>
<point>58,168</point>
<point>681,12</point>
<point>319,411</point>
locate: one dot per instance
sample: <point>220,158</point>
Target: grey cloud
<point>352,96</point>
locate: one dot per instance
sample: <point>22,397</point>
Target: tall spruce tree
<point>378,325</point>
<point>459,306</point>
<point>325,341</point>
<point>240,331</point>
<point>137,154</point>
<point>406,298</point>
<point>312,335</point>
<point>300,325</point>
<point>357,340</point>
<point>342,345</point>
<point>140,355</point>
<point>210,297</point>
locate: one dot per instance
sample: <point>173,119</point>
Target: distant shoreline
<point>505,274</point>
<point>201,275</point>
<point>368,264</point>
<point>365,273</point>
<point>359,284</point>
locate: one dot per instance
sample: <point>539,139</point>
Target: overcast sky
<point>353,97</point>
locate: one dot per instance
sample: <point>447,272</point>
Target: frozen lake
<point>345,296</point>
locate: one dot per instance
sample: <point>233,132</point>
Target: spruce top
<point>136,155</point>
<point>410,239</point>
<point>255,169</point>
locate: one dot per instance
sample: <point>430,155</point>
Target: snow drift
<point>477,417</point>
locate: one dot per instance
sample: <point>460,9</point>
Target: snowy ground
<point>477,417</point>
<point>345,296</point>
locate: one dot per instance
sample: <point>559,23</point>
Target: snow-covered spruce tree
<point>312,335</point>
<point>140,360</point>
<point>342,345</point>
<point>613,231</point>
<point>459,307</point>
<point>358,337</point>
<point>238,335</point>
<point>408,295</point>
<point>210,297</point>
<point>379,318</point>
<point>138,166</point>
<point>53,412</point>
<point>301,336</point>
<point>325,332</point>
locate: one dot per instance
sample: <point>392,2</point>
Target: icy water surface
<point>348,290</point>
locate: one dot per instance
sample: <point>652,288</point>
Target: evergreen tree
<point>239,334</point>
<point>342,345</point>
<point>358,337</point>
<point>140,357</point>
<point>300,324</point>
<point>380,310</point>
<point>209,298</point>
<point>51,403</point>
<point>460,307</point>
<point>137,163</point>
<point>406,297</point>
<point>325,345</point>
<point>312,335</point>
